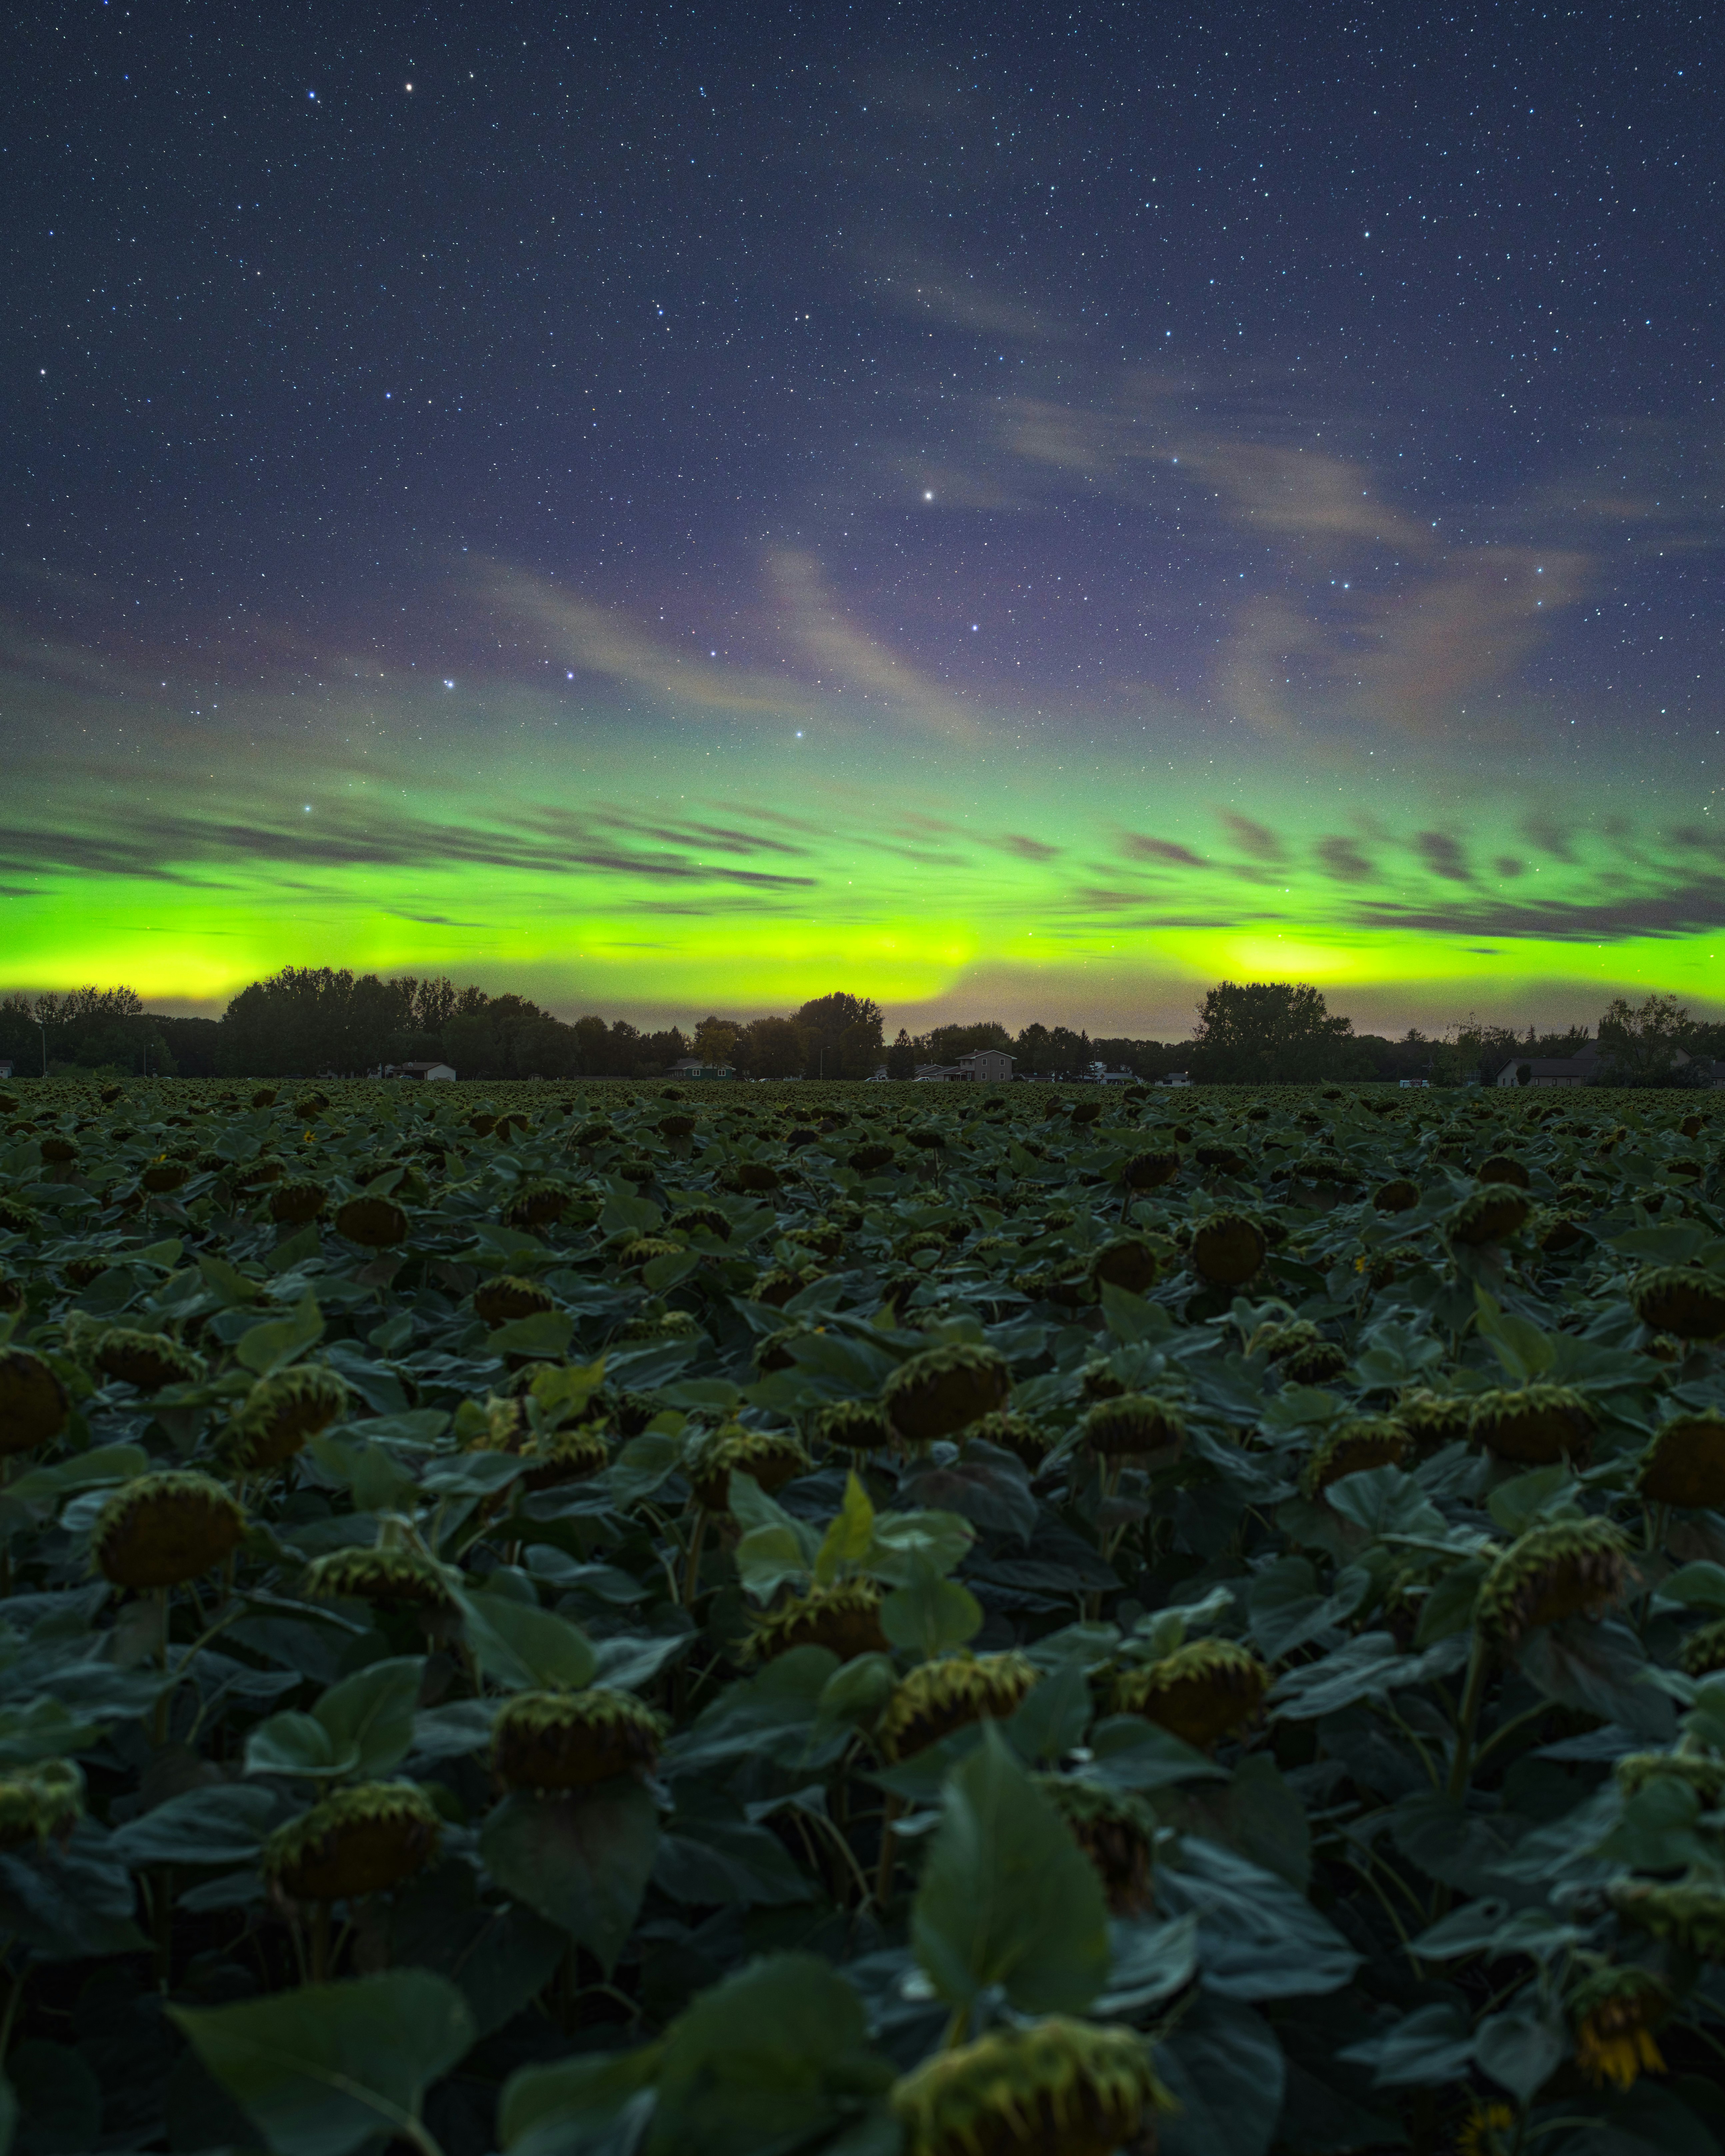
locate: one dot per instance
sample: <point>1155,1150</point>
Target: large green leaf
<point>775,2059</point>
<point>930,1616</point>
<point>1226,2070</point>
<point>280,1340</point>
<point>323,2070</point>
<point>582,1861</point>
<point>1007,1897</point>
<point>373,1712</point>
<point>524,1647</point>
<point>554,2110</point>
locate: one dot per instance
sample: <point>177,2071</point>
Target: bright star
<point>450,684</point>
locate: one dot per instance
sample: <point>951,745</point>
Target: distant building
<point>1405,1083</point>
<point>1174,1078</point>
<point>691,1067</point>
<point>5,1066</point>
<point>988,1066</point>
<point>419,1071</point>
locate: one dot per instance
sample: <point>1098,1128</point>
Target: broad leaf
<point>582,1861</point>
<point>524,1647</point>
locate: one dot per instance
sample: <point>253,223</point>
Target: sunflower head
<point>845,1618</point>
<point>362,1840</point>
<point>498,1301</point>
<point>1488,2130</point>
<point>1015,1433</point>
<point>1227,1249</point>
<point>1684,1463</point>
<point>1134,1423</point>
<point>147,1360</point>
<point>160,1530</point>
<point>1150,1171</point>
<point>853,1426</point>
<point>944,1388</point>
<point>550,1742</point>
<point>1689,1912</point>
<point>1699,1770</point>
<point>1535,1425</point>
<point>573,1454</point>
<point>1434,1420</point>
<point>33,1406</point>
<point>293,1204</point>
<point>935,1698</point>
<point>773,1457</point>
<point>1132,1262</point>
<point>539,1204</point>
<point>1549,1574</point>
<point>389,1574</point>
<point>1351,1447</point>
<point>1116,1831</point>
<point>1398,1195</point>
<point>1614,2013</point>
<point>279,1415</point>
<point>374,1223</point>
<point>1703,1652</point>
<point>1068,2087</point>
<point>1202,1692</point>
<point>41,1800</point>
<point>1680,1299</point>
<point>1491,1215</point>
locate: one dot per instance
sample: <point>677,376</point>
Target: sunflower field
<point>852,1621</point>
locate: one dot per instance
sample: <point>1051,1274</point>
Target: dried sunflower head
<point>935,1698</point>
<point>845,1618</point>
<point>538,1204</point>
<point>1550,1573</point>
<point>1202,1692</point>
<point>773,1456</point>
<point>375,1223</point>
<point>944,1388</point>
<point>45,1799</point>
<point>362,1840</point>
<point>1699,1771</point>
<point>1015,1433</point>
<point>1680,1299</point>
<point>1135,1423</point>
<point>507,1297</point>
<point>147,1360</point>
<point>1116,1831</point>
<point>1351,1447</point>
<point>1490,1216</point>
<point>1228,1249</point>
<point>1684,1463</point>
<point>1703,1652</point>
<point>1536,1425</point>
<point>853,1426</point>
<point>293,1204</point>
<point>160,1530</point>
<point>1066,2088</point>
<point>393,1574</point>
<point>279,1415</point>
<point>1690,1912</point>
<point>550,1742</point>
<point>33,1406</point>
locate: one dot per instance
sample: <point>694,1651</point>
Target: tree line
<point>306,1021</point>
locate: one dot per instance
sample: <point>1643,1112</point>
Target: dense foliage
<point>849,1619</point>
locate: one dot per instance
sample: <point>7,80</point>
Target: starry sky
<point>1019,511</point>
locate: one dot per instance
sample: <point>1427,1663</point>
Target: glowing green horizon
<point>638,855</point>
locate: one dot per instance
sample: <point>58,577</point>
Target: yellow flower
<point>1486,2131</point>
<point>1619,2057</point>
<point>1614,2013</point>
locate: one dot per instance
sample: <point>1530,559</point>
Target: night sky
<point>1018,512</point>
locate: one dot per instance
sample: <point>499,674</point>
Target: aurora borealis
<point>1012,514</point>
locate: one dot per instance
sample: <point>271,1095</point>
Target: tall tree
<point>1270,1032</point>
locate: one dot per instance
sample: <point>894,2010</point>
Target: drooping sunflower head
<point>548,1741</point>
<point>391,1574</point>
<point>852,1426</point>
<point>1680,1299</point>
<point>500,1301</point>
<point>773,1456</point>
<point>373,1222</point>
<point>163,1529</point>
<point>296,1203</point>
<point>1536,1425</point>
<point>944,1388</point>
<point>1700,1771</point>
<point>541,1203</point>
<point>280,1412</point>
<point>1352,1447</point>
<point>1134,1423</point>
<point>43,1800</point>
<point>1202,1692</point>
<point>1015,1433</point>
<point>362,1840</point>
<point>845,1618</point>
<point>1116,1830</point>
<point>935,1698</point>
<point>148,1360</point>
<point>573,1454</point>
<point>1684,1463</point>
<point>1228,1249</point>
<point>1132,1262</point>
<point>1690,1912</point>
<point>33,1405</point>
<point>1569,1568</point>
<point>1434,1420</point>
<point>1067,2088</point>
<point>1703,1652</point>
<point>1490,2129</point>
<point>1614,2013</point>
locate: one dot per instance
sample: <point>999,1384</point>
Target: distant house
<point>419,1071</point>
<point>1174,1078</point>
<point>5,1066</point>
<point>936,1074</point>
<point>988,1066</point>
<point>1405,1083</point>
<point>691,1067</point>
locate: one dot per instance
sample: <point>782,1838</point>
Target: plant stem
<point>884,1870</point>
<point>320,1941</point>
<point>691,1571</point>
<point>1479,1666</point>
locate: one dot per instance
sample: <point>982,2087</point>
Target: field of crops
<point>749,1620</point>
